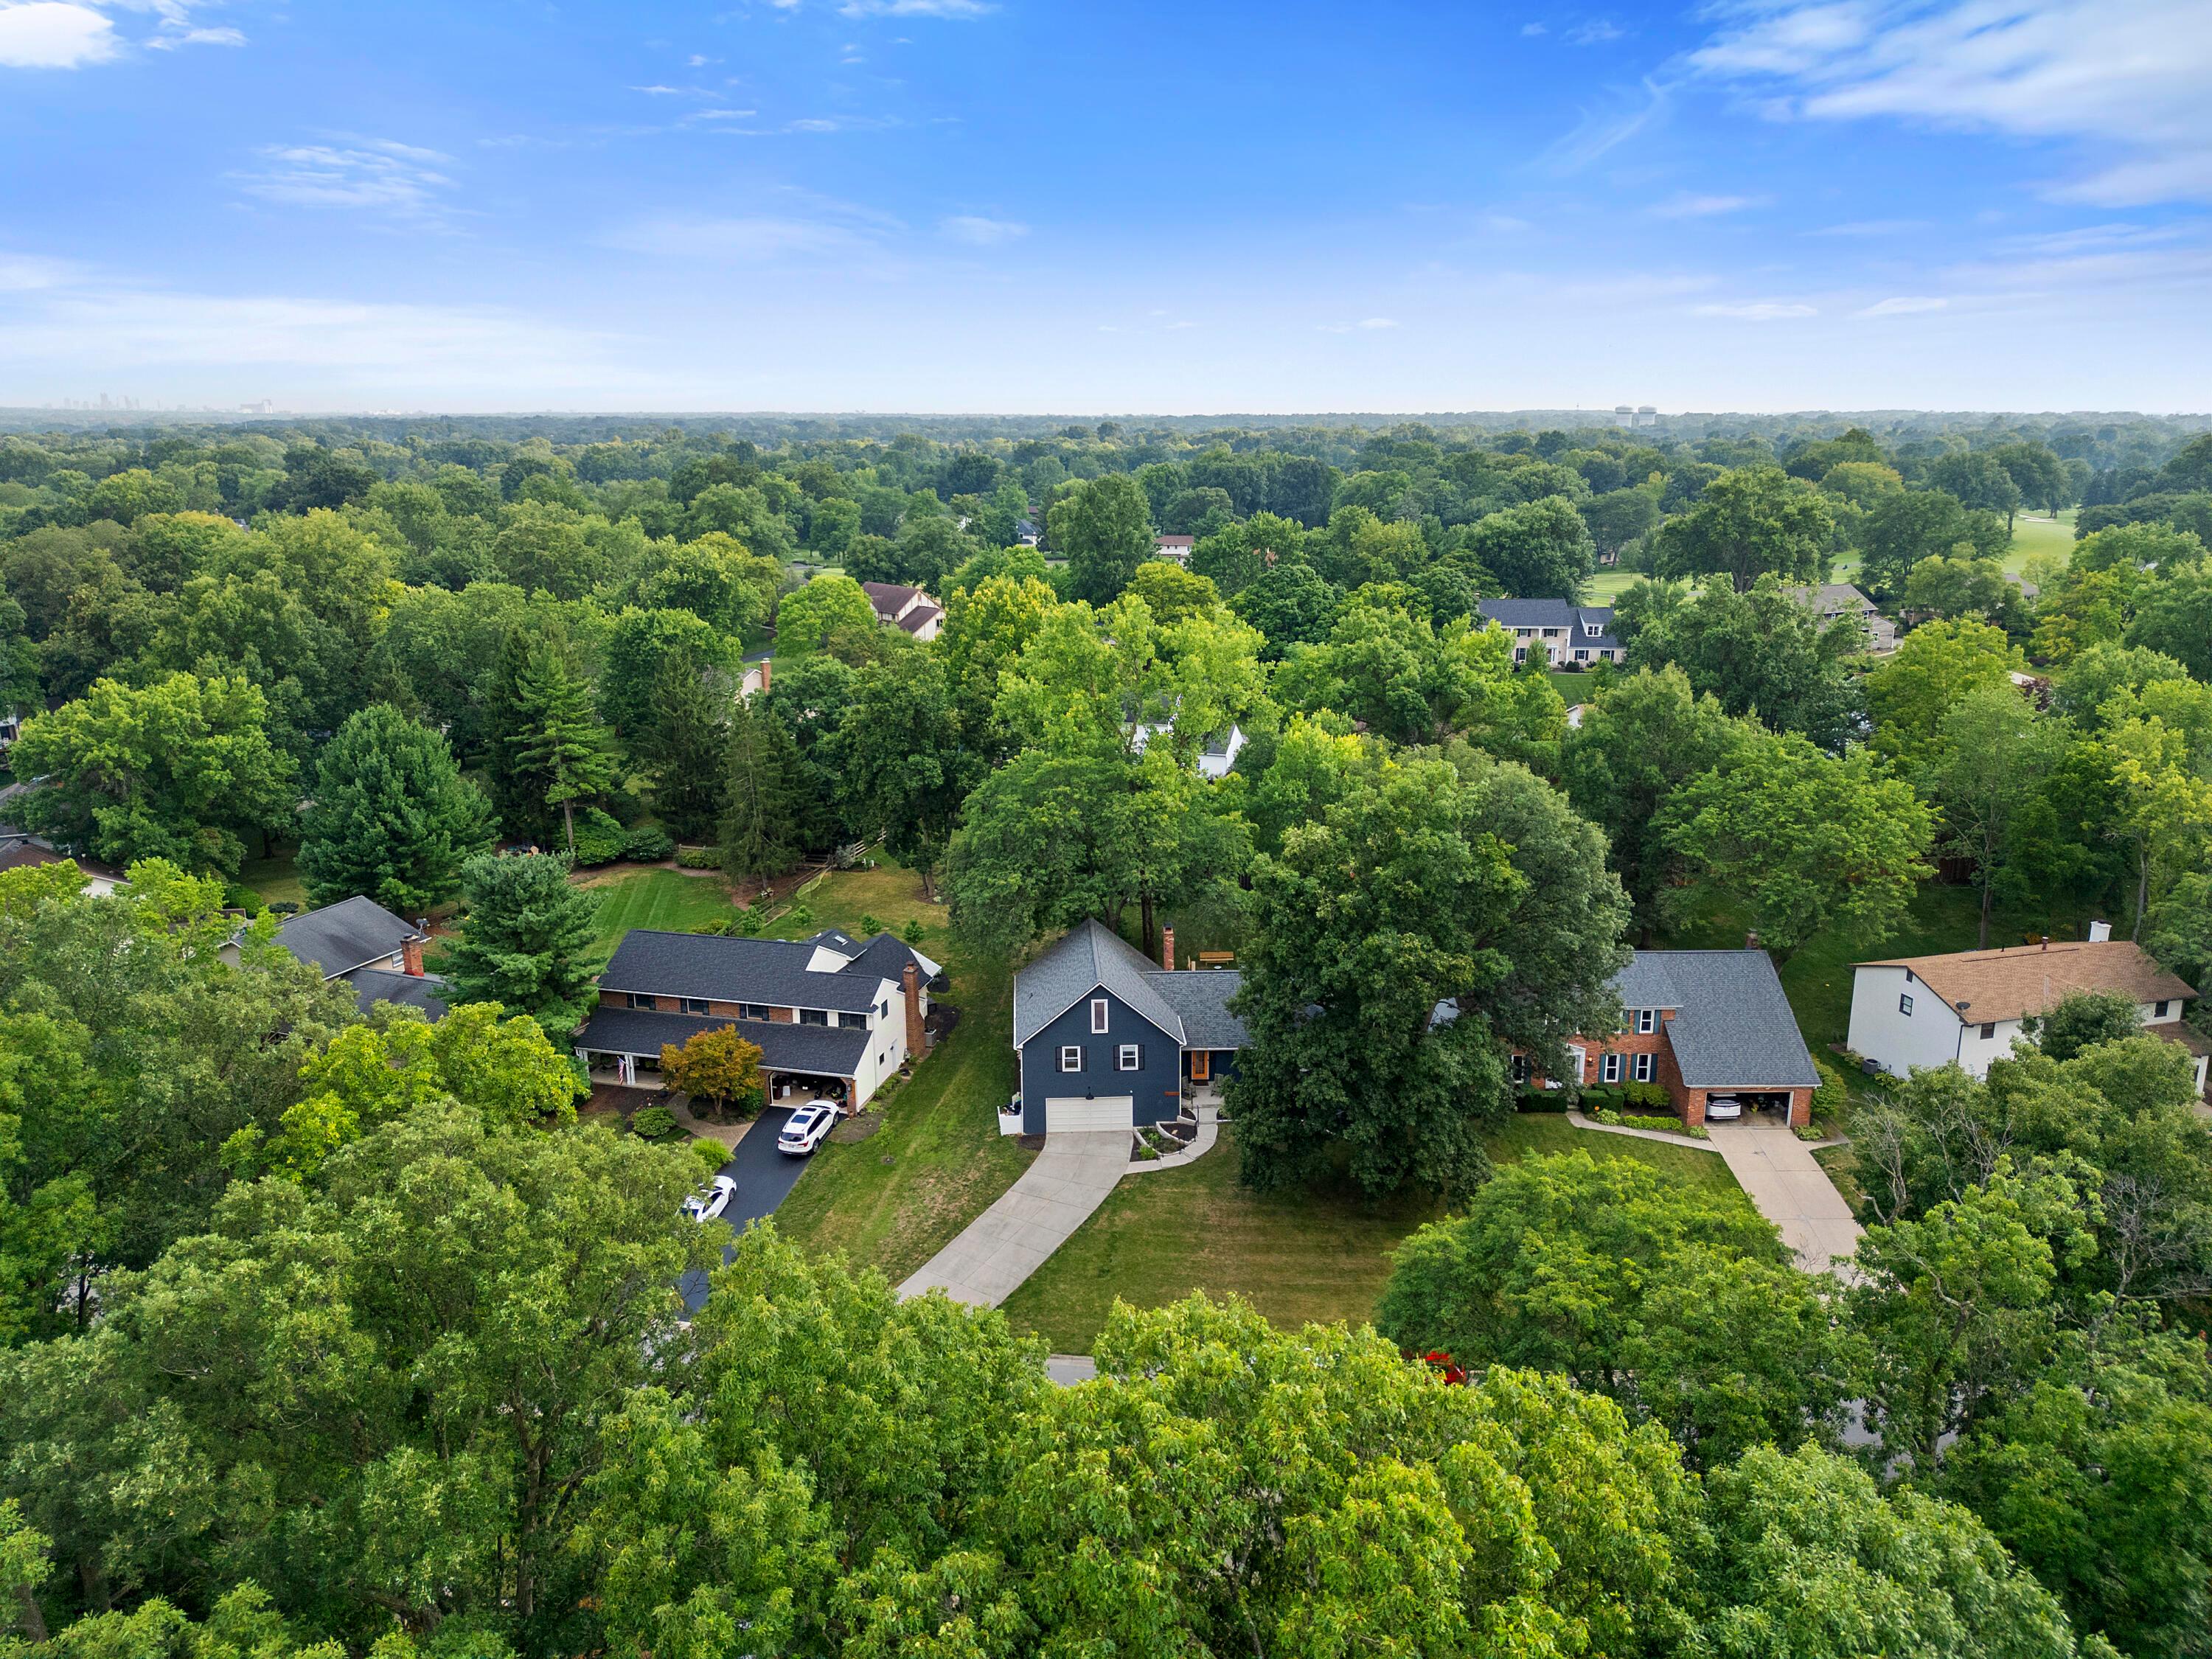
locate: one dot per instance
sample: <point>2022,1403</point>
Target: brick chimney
<point>910,980</point>
<point>1167,949</point>
<point>768,672</point>
<point>411,955</point>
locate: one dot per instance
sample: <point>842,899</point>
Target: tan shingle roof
<point>2029,979</point>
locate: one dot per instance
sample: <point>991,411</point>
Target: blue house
<point>1106,1039</point>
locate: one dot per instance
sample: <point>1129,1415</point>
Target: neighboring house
<point>830,1015</point>
<point>1570,635</point>
<point>759,672</point>
<point>1106,1038</point>
<point>1912,1012</point>
<point>1174,547</point>
<point>1215,757</point>
<point>906,608</point>
<point>1831,601</point>
<point>361,942</point>
<point>1698,1024</point>
<point>1027,533</point>
<point>20,849</point>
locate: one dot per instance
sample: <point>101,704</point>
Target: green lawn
<point>2031,536</point>
<point>1316,1256</point>
<point>656,898</point>
<point>894,1199</point>
<point>1817,979</point>
<point>274,880</point>
<point>1607,586</point>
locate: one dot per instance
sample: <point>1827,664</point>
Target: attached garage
<point>1068,1112</point>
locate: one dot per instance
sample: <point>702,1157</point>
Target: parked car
<point>1724,1108</point>
<point>806,1129</point>
<point>711,1199</point>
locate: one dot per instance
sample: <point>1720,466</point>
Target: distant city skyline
<point>971,206</point>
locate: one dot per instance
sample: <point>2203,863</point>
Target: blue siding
<point>1155,1087</point>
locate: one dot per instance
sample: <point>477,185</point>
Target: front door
<point>1201,1065</point>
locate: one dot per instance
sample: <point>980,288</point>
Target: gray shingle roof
<point>1201,999</point>
<point>1733,1027</point>
<point>773,971</point>
<point>826,1050</point>
<point>1554,613</point>
<point>374,984</point>
<point>342,937</point>
<point>1086,956</point>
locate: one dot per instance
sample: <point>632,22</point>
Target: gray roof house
<point>361,942</point>
<point>1831,600</point>
<point>831,1015</point>
<point>1731,1027</point>
<point>1568,633</point>
<point>1106,1038</point>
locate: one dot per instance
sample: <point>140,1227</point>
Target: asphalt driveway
<point>763,1175</point>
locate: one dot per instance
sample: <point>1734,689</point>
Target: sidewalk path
<point>1791,1189</point>
<point>1032,1218</point>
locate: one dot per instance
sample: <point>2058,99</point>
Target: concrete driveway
<point>1032,1218</point>
<point>1791,1188</point>
<point>763,1175</point>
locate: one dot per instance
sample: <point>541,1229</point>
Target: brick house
<point>1700,1024</point>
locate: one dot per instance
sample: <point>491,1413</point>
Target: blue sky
<point>954,206</point>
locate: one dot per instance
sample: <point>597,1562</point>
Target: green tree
<point>558,741</point>
<point>2175,615</point>
<point>1104,530</point>
<point>717,1065</point>
<point>1955,587</point>
<point>1807,843</point>
<point>1760,653</point>
<point>809,617</point>
<point>526,942</point>
<point>685,743</point>
<point>182,770</point>
<point>1903,528</point>
<point>391,817</point>
<point>1937,665</point>
<point>759,831</point>
<point>1992,753</point>
<point>1978,478</point>
<point>2081,1019</point>
<point>1417,890</point>
<point>1748,523</point>
<point>901,762</point>
<point>1290,604</point>
<point>1536,550</point>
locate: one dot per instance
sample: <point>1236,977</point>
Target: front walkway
<point>1786,1182</point>
<point>1032,1218</point>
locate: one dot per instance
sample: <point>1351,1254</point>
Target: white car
<point>806,1129</point>
<point>711,1200</point>
<point>1724,1108</point>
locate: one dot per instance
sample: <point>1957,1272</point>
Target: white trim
<point>1100,1013</point>
<point>1128,1057</point>
<point>1065,1050</point>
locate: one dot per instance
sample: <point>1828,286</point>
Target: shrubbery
<point>698,857</point>
<point>599,839</point>
<point>654,1123</point>
<point>648,844</point>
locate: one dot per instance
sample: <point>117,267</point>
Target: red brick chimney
<point>768,672</point>
<point>910,978</point>
<point>411,955</point>
<point>1167,949</point>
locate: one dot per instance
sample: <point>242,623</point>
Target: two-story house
<point>1106,1038</point>
<point>1572,635</point>
<point>831,1015</point>
<point>1832,601</point>
<point>1176,548</point>
<point>1912,1012</point>
<point>907,609</point>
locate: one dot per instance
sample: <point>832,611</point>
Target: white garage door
<point>1074,1112</point>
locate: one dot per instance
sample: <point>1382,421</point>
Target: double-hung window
<point>1905,1004</point>
<point>1128,1057</point>
<point>1647,1021</point>
<point>1608,1069</point>
<point>1644,1066</point>
<point>1098,1010</point>
<point>1071,1059</point>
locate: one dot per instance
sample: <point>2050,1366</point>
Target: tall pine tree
<point>758,836</point>
<point>684,744</point>
<point>527,942</point>
<point>392,817</point>
<point>558,744</point>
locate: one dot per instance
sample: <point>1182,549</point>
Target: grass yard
<point>274,880</point>
<point>1297,1258</point>
<point>662,899</point>
<point>1607,586</point>
<point>2032,537</point>
<point>894,1199</point>
<point>1817,979</point>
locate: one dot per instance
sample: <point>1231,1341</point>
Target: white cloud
<point>953,8</point>
<point>1378,322</point>
<point>980,232</point>
<point>1367,323</point>
<point>1871,228</point>
<point>379,174</point>
<point>1759,311</point>
<point>1604,128</point>
<point>2125,79</point>
<point>1687,206</point>
<point>49,34</point>
<point>1530,31</point>
<point>750,239</point>
<point>19,272</point>
<point>1903,305</point>
<point>1596,32</point>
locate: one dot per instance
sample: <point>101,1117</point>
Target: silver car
<point>1724,1108</point>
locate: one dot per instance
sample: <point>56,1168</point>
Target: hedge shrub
<point>648,844</point>
<point>698,857</point>
<point>598,838</point>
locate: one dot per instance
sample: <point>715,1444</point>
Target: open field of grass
<point>937,1162</point>
<point>2031,536</point>
<point>275,880</point>
<point>662,899</point>
<point>1309,1256</point>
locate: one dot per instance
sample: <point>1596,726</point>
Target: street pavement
<point>1032,1218</point>
<point>763,1176</point>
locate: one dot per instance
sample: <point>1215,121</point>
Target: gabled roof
<point>770,971</point>
<point>1830,597</point>
<point>342,937</point>
<point>2029,979</point>
<point>374,984</point>
<point>1174,541</point>
<point>1733,1027</point>
<point>1544,613</point>
<point>920,616</point>
<point>890,598</point>
<point>785,1046</point>
<point>1201,999</point>
<point>1088,956</point>
<point>885,954</point>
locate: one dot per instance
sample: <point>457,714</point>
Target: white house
<point>1570,635</point>
<point>1174,547</point>
<point>907,609</point>
<point>1913,1013</point>
<point>1216,756</point>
